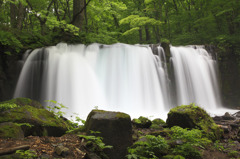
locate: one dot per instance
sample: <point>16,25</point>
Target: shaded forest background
<point>29,24</point>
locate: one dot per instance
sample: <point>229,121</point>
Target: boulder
<point>62,151</point>
<point>23,102</point>
<point>191,116</point>
<point>35,121</point>
<point>142,122</point>
<point>115,128</point>
<point>158,124</point>
<point>11,130</point>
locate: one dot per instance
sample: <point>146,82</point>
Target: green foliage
<point>56,108</point>
<point>193,140</point>
<point>95,141</point>
<point>193,136</point>
<point>218,146</point>
<point>148,21</point>
<point>233,153</point>
<point>188,151</point>
<point>148,146</point>
<point>26,153</point>
<point>6,106</point>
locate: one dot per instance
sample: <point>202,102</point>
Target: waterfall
<point>195,77</point>
<point>119,77</point>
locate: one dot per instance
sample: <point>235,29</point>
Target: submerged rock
<point>191,116</point>
<point>115,128</point>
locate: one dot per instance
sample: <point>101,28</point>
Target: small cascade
<point>195,77</point>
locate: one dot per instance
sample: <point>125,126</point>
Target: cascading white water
<point>120,77</point>
<point>195,77</point>
<point>116,77</point>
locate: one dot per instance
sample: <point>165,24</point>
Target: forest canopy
<point>28,24</point>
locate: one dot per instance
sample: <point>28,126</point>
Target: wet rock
<point>227,116</point>
<point>237,114</point>
<point>115,128</point>
<point>230,124</point>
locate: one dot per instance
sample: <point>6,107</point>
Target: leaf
<point>131,31</point>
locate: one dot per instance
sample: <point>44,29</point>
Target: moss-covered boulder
<point>142,122</point>
<point>22,102</point>
<point>191,116</point>
<point>34,121</point>
<point>158,124</point>
<point>115,128</point>
<point>11,130</point>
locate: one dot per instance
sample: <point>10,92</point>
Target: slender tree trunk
<point>79,18</point>
<point>13,15</point>
<point>140,36</point>
<point>20,16</point>
<point>148,35</point>
<point>85,16</point>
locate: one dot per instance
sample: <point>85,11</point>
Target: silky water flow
<point>120,77</point>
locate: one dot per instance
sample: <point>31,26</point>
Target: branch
<point>48,8</point>
<point>14,149</point>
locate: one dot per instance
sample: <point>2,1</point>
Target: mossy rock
<point>163,133</point>
<point>18,102</point>
<point>44,123</point>
<point>115,128</point>
<point>11,130</point>
<point>158,124</point>
<point>191,116</point>
<point>142,122</point>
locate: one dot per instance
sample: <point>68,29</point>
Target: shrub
<point>147,147</point>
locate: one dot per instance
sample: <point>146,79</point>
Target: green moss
<point>10,130</point>
<point>122,115</point>
<point>158,124</point>
<point>29,114</point>
<point>192,116</point>
<point>23,102</point>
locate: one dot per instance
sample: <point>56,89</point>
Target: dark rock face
<point>191,116</point>
<point>115,128</point>
<point>9,71</point>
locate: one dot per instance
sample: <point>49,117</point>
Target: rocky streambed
<point>27,130</point>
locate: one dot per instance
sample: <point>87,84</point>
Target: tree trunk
<point>17,15</point>
<point>140,36</point>
<point>13,15</point>
<point>20,16</point>
<point>148,35</point>
<point>79,18</point>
